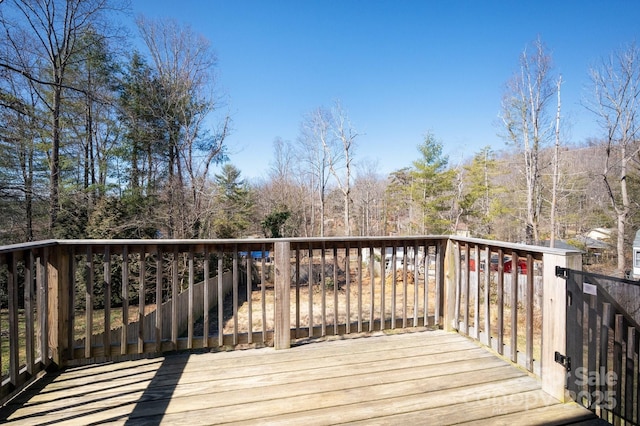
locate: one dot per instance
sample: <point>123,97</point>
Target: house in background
<point>636,256</point>
<point>462,230</point>
<point>594,245</point>
<point>595,250</point>
<point>597,244</point>
<point>600,234</point>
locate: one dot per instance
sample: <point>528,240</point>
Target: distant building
<point>596,250</point>
<point>600,234</point>
<point>462,230</point>
<point>636,256</point>
<point>561,244</point>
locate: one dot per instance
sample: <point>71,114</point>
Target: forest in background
<point>99,140</point>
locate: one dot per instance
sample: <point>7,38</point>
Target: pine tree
<point>432,186</point>
<point>233,204</point>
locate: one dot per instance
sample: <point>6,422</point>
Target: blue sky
<point>400,68</point>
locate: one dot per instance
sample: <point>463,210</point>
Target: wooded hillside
<point>99,140</point>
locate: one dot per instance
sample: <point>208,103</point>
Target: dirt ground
<point>329,303</point>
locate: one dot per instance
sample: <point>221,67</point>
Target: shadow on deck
<point>431,377</point>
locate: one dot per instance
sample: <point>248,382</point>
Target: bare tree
<point>368,195</point>
<point>556,174</point>
<point>315,136</point>
<point>282,194</point>
<point>327,145</point>
<point>528,125</point>
<point>616,93</point>
<point>459,206</point>
<point>341,157</point>
<point>184,62</point>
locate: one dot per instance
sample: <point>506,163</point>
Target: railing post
<point>282,283</point>
<point>554,321</point>
<point>449,293</point>
<point>59,291</point>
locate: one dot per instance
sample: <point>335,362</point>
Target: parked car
<point>472,262</point>
<point>522,266</point>
<point>388,261</point>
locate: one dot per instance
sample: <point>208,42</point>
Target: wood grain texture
<point>430,377</point>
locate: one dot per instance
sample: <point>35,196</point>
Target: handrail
<point>36,245</point>
<point>541,250</point>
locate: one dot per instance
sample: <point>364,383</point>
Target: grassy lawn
<point>4,341</point>
<point>323,302</point>
<point>97,322</point>
<point>79,329</point>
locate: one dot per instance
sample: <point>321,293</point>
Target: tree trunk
<point>622,216</point>
<point>54,179</point>
<point>556,160</point>
<point>26,164</point>
<point>623,212</point>
<point>347,219</point>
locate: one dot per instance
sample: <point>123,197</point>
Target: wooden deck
<point>429,377</point>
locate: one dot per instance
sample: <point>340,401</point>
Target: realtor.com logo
<point>605,399</point>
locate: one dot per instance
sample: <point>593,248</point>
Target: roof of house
<point>561,244</point>
<point>600,233</point>
<point>593,244</point>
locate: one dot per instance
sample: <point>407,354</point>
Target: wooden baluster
<point>220,275</point>
<point>487,297</point>
<point>529,306</point>
<point>249,284</point>
<point>515,261</point>
<point>206,296</point>
<point>263,293</point>
<point>347,302</point>
<point>124,338</point>
<point>500,307</point>
<point>106,271</point>
<point>88,332</point>
<point>159,300</point>
<point>141,298</point>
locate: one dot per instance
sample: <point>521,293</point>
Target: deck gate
<point>602,361</point>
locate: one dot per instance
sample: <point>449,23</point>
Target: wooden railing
<point>344,286</point>
<point>74,302</point>
<point>499,299</point>
<point>24,320</point>
<point>508,298</point>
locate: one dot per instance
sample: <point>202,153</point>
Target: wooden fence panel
<point>602,348</point>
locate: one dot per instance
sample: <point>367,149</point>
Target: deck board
<point>430,377</point>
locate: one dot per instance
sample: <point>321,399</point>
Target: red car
<point>522,266</point>
<point>472,264</point>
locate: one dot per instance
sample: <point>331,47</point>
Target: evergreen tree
<point>274,223</point>
<point>23,162</point>
<point>233,204</point>
<point>432,186</point>
<point>142,152</point>
<point>399,203</point>
<point>480,204</point>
